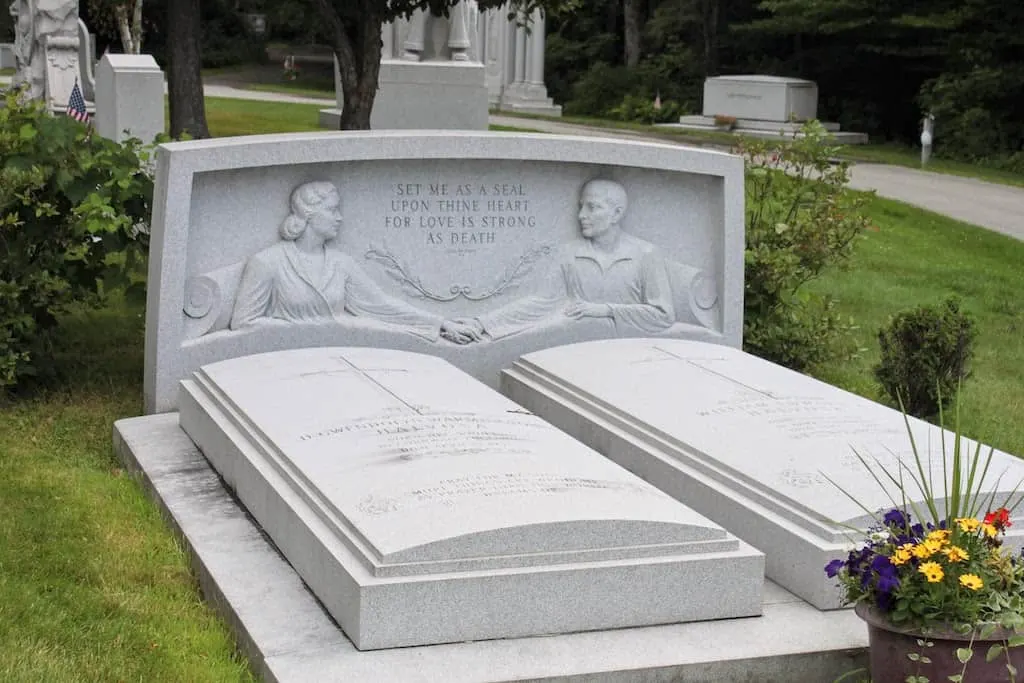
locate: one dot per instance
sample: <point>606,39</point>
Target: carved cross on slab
<point>696,362</point>
<point>347,367</point>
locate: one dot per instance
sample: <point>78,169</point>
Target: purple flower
<point>888,584</point>
<point>833,567</point>
<point>897,518</point>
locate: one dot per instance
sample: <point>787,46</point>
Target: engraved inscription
<point>459,216</point>
<point>456,490</point>
<point>804,417</point>
<point>404,438</point>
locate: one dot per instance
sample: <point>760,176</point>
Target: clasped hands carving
<point>469,330</point>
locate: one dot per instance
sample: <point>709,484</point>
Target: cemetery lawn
<point>917,257</point>
<point>92,585</point>
<point>228,117</point>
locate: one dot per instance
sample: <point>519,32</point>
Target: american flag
<point>76,105</point>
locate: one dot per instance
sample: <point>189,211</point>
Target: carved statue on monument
<point>46,48</point>
<point>606,274</point>
<point>300,279</point>
<point>459,45</point>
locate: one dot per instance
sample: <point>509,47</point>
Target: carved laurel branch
<point>412,285</point>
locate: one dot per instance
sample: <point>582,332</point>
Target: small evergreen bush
<point>73,208</point>
<point>925,356</point>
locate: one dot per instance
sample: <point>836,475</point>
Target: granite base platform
<point>288,636</point>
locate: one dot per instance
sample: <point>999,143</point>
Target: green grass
<point>92,585</point>
<point>6,72</point>
<point>918,257</point>
<point>249,117</point>
<point>303,88</point>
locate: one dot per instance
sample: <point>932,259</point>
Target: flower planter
<point>889,646</point>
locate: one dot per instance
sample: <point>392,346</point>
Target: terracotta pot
<point>889,646</point>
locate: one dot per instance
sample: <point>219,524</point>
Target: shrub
<point>72,212</point>
<point>800,220</point>
<point>925,356</point>
<point>643,110</point>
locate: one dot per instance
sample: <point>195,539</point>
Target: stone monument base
<point>424,96</point>
<point>530,98</point>
<point>287,635</point>
<point>766,129</point>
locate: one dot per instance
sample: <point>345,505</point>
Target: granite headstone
<point>475,247</point>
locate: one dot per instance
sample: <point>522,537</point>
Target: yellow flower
<point>968,524</point>
<point>940,535</point>
<point>971,581</point>
<point>956,554</point>
<point>922,551</point>
<point>932,571</point>
<point>901,555</point>
<point>932,545</point>
<point>989,530</point>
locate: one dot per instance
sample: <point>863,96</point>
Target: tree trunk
<point>357,47</point>
<point>632,12</point>
<point>184,79</point>
<point>710,21</point>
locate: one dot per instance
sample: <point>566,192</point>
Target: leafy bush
<point>925,356</point>
<point>72,212</point>
<point>800,221</point>
<point>643,110</point>
<point>628,94</point>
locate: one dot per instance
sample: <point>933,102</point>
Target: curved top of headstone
<point>475,247</point>
<point>761,78</point>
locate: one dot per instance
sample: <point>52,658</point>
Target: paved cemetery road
<point>990,205</point>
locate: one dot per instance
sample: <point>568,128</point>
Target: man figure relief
<point>606,274</point>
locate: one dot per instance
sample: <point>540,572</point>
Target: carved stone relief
<point>604,273</point>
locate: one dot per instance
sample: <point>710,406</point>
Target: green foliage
<point>644,110</point>
<point>979,115</point>
<point>800,221</point>
<point>73,208</point>
<point>925,354</point>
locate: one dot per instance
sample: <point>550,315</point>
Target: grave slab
<point>288,637</point>
<point>422,507</point>
<point>749,444</point>
<point>474,247</point>
<point>763,98</point>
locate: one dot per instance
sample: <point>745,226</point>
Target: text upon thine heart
<point>459,215</point>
